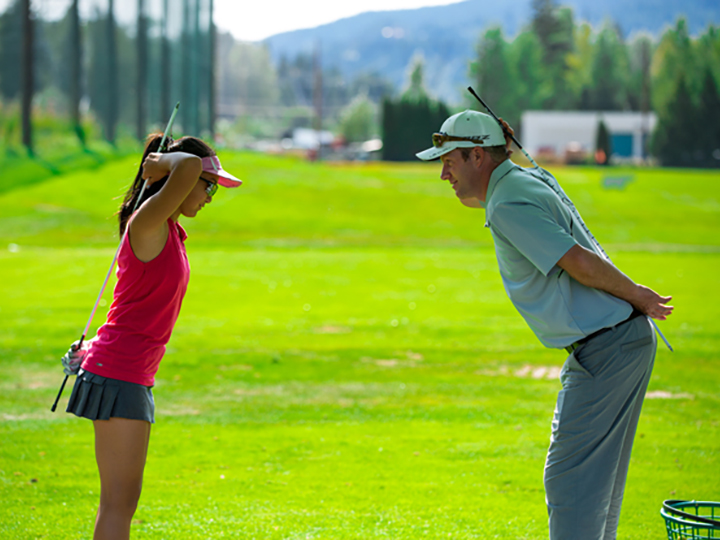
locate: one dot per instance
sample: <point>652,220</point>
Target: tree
<point>28,82</point>
<point>409,122</point>
<point>251,76</point>
<point>141,43</point>
<point>608,90</point>
<point>10,50</point>
<point>603,147</point>
<point>495,78</point>
<point>554,28</point>
<point>674,58</point>
<point>357,120</point>
<point>415,91</point>
<point>580,61</point>
<point>638,85</point>
<point>675,136</point>
<point>75,72</point>
<point>708,122</point>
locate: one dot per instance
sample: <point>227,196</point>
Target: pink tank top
<point>146,304</point>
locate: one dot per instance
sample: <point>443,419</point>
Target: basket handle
<point>667,505</point>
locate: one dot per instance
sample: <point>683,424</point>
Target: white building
<point>559,131</point>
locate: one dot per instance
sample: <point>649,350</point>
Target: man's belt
<point>570,348</point>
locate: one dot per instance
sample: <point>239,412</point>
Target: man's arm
<point>593,271</point>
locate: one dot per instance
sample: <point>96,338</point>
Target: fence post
<point>28,81</point>
<point>142,57</point>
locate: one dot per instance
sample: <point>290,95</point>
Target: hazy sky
<point>250,20</point>
<point>256,20</point>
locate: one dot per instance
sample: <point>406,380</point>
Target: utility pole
<point>318,99</point>
<point>645,97</point>
<point>28,82</point>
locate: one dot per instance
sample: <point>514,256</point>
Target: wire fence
<point>115,66</point>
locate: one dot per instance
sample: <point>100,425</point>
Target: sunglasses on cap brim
<point>439,139</point>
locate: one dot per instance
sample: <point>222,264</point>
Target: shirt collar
<point>499,172</point>
<point>497,175</point>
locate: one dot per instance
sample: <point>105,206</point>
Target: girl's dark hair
<point>190,145</point>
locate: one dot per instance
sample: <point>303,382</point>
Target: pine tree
<point>609,72</point>
<point>675,136</point>
<point>409,122</point>
<point>603,147</point>
<point>554,28</point>
<point>708,122</point>
<point>495,76</point>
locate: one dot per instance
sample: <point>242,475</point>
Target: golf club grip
<point>505,131</point>
<point>62,387</point>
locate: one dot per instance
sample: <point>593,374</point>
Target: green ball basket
<point>695,520</point>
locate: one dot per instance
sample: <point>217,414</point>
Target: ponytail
<point>130,202</point>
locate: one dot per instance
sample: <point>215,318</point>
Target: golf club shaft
<point>657,329</point>
<point>168,127</point>
<point>62,387</point>
<point>505,131</point>
<point>531,160</point>
<point>117,252</point>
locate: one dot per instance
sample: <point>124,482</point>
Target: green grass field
<point>346,364</point>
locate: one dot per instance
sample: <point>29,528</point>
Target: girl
<point>116,369</point>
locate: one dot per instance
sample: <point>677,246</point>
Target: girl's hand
<point>74,357</point>
<point>155,167</point>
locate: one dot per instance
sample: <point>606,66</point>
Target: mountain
<point>384,42</point>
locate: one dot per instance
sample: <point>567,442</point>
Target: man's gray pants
<point>604,382</point>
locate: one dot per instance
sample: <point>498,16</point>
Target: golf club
<point>558,190</point>
<point>77,346</point>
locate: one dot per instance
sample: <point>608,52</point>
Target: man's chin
<point>470,202</point>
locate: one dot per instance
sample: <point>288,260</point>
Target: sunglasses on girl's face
<point>439,139</point>
<point>211,188</point>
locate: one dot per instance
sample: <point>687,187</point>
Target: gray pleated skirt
<point>100,398</point>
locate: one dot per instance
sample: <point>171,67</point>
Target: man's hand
<point>593,271</point>
<point>508,139</point>
<point>651,303</point>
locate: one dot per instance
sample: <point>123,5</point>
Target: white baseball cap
<point>472,128</point>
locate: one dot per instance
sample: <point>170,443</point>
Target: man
<point>573,298</point>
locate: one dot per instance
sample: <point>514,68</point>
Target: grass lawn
<point>346,364</point>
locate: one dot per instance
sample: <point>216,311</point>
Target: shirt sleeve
<point>534,232</point>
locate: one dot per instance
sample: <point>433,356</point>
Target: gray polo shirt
<point>532,229</point>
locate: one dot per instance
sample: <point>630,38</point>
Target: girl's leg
<point>120,449</point>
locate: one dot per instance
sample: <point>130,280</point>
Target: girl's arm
<point>183,170</point>
<point>148,229</point>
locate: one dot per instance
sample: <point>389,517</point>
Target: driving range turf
<point>346,364</point>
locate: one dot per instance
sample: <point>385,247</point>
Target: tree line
<point>99,72</point>
<point>556,63</point>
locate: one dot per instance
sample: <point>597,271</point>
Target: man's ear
<point>477,154</point>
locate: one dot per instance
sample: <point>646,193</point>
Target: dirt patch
<point>662,394</point>
<point>527,371</point>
